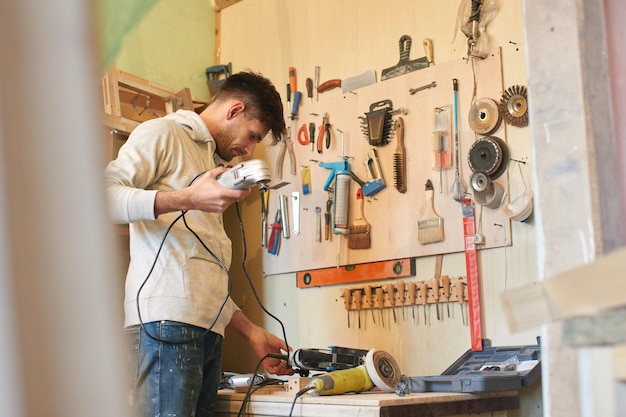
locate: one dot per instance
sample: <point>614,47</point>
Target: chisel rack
<point>401,294</point>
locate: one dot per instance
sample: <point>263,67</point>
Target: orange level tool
<point>471,265</point>
<point>370,271</point>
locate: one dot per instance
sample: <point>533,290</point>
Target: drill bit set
<point>403,298</point>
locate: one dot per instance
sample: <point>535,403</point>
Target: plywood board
<point>393,216</point>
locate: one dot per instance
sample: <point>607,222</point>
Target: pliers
<point>286,145</point>
<point>274,243</point>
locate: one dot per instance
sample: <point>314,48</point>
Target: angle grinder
<point>380,370</point>
<point>245,175</point>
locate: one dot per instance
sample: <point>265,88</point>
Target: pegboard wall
<point>393,216</point>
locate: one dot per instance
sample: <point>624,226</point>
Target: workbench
<point>369,404</point>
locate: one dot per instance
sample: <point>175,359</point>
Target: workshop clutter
<point>403,300</point>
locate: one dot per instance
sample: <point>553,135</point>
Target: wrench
<point>424,87</point>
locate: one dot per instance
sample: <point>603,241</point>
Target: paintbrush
<point>399,158</point>
<point>359,234</point>
<point>430,227</point>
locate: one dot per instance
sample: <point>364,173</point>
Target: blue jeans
<point>169,379</point>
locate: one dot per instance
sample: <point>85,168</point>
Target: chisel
<point>424,299</point>
<point>369,301</point>
<point>400,295</point>
<point>347,301</point>
<point>412,288</point>
<point>459,287</point>
<point>378,302</point>
<point>389,290</point>
<point>445,280</point>
<point>358,298</point>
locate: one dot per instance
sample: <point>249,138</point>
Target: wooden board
<point>356,273</point>
<point>371,404</point>
<point>393,216</point>
<point>584,291</point>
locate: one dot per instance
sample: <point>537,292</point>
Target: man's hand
<point>203,194</point>
<point>263,342</point>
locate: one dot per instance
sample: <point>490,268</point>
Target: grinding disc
<point>485,155</point>
<point>505,158</point>
<point>480,182</point>
<point>489,155</point>
<point>484,116</point>
<point>382,369</point>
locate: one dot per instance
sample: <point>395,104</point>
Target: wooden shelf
<point>128,100</point>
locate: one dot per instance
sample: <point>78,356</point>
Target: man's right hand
<point>203,194</point>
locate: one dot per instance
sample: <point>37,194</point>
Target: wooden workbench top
<point>366,404</point>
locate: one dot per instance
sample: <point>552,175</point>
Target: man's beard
<point>220,139</point>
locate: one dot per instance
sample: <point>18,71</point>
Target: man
<point>177,300</point>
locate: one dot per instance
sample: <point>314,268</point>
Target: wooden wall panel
<point>393,216</point>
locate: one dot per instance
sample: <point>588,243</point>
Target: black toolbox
<point>506,368</point>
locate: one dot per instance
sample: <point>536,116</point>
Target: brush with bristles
<point>399,158</point>
<point>359,236</point>
<point>430,227</point>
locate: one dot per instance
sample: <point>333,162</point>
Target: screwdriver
<point>400,297</point>
<point>347,301</point>
<point>312,135</point>
<point>317,82</point>
<point>411,291</point>
<point>460,293</point>
<point>445,280</point>
<point>288,97</point>
<point>296,104</point>
<point>368,301</point>
<point>309,89</point>
<point>424,299</point>
<point>378,302</point>
<point>293,84</point>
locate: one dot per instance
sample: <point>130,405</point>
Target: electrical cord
<point>219,261</point>
<point>245,271</point>
<point>258,299</point>
<point>298,395</point>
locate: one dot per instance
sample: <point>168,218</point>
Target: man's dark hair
<point>260,97</point>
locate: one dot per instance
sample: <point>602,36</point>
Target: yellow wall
<point>173,45</point>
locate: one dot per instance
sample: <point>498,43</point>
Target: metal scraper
<point>358,81</point>
<point>350,83</point>
<point>404,65</point>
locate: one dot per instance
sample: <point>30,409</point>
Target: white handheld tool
<point>295,210</point>
<point>245,175</point>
